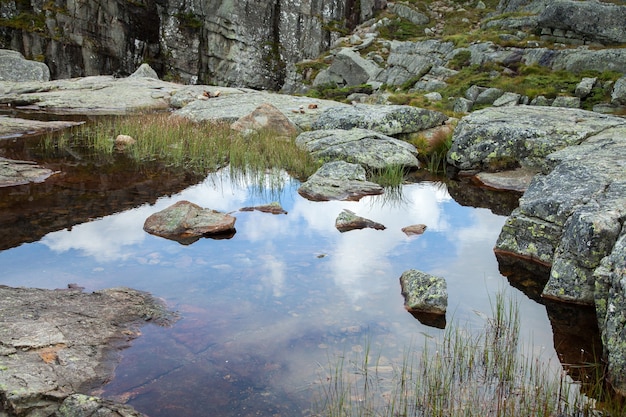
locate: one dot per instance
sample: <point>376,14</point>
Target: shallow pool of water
<point>264,313</point>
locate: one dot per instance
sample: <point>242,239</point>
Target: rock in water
<point>348,220</point>
<point>423,292</point>
<point>186,222</point>
<point>339,180</point>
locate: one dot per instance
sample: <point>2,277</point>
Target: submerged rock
<point>186,222</point>
<point>338,180</point>
<point>366,147</point>
<point>14,172</point>
<point>423,292</point>
<point>348,220</point>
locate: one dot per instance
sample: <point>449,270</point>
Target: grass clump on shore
<point>191,146</point>
<point>462,374</point>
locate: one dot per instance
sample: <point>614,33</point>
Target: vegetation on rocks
<point>195,147</point>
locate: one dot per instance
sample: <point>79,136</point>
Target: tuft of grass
<point>390,176</point>
<point>432,151</point>
<point>463,373</point>
<point>193,147</point>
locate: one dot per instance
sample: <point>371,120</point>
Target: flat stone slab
<point>57,343</point>
<point>338,180</point>
<point>365,147</point>
<point>14,172</point>
<point>513,180</point>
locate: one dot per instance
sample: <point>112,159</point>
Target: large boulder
<point>186,222</point>
<point>500,138</point>
<point>265,117</point>
<point>589,20</point>
<point>15,68</point>
<point>388,120</point>
<point>365,147</point>
<point>348,68</point>
<point>338,180</point>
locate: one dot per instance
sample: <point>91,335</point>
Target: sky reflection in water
<point>265,311</point>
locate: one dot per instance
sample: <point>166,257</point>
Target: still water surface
<point>264,313</point>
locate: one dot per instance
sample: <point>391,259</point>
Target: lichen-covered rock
<point>338,180</point>
<point>365,147</point>
<point>186,222</point>
<point>423,292</point>
<point>388,120</point>
<point>500,138</point>
<point>80,405</point>
<point>15,68</point>
<point>610,298</point>
<point>348,68</point>
<point>348,220</point>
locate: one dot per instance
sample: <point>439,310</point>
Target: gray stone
<point>266,117</point>
<point>351,68</point>
<point>15,68</point>
<point>618,96</point>
<point>16,127</point>
<point>473,92</point>
<point>462,105</point>
<point>347,220</point>
<point>566,101</point>
<point>589,20</point>
<point>388,120</point>
<point>366,147</point>
<point>81,405</point>
<point>409,13</point>
<point>540,101</point>
<point>434,96</point>
<point>423,292</point>
<point>186,222</point>
<point>488,96</point>
<point>584,87</point>
<point>146,71</point>
<point>507,99</point>
<point>338,180</point>
<point>500,138</point>
<point>49,356</point>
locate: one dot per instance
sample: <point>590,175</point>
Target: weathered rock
<point>463,105</point>
<point>348,68</point>
<point>14,172</point>
<point>589,20</point>
<point>565,101</point>
<point>499,138</point>
<point>409,13</point>
<point>186,222</point>
<point>585,86</point>
<point>368,148</point>
<point>488,96</point>
<point>273,208</point>
<point>424,292</point>
<point>339,180</point>
<point>415,229</point>
<point>514,180</point>
<point>229,108</point>
<point>15,68</point>
<point>66,344</point>
<point>618,96</point>
<point>388,120</point>
<point>347,220</point>
<point>507,99</point>
<point>80,405</point>
<point>266,117</point>
<point>145,71</point>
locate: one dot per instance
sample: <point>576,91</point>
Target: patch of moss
<point>189,20</point>
<point>332,92</point>
<point>27,21</point>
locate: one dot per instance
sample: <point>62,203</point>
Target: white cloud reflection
<point>356,259</point>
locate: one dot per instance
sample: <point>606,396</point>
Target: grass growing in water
<point>463,374</point>
<point>194,147</point>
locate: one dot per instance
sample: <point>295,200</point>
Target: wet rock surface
<point>16,127</point>
<point>14,172</point>
<point>56,343</point>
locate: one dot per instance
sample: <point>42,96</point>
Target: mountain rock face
<point>225,42</point>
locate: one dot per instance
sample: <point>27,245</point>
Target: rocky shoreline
<point>570,219</point>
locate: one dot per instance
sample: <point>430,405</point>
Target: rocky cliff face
<point>225,42</point>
